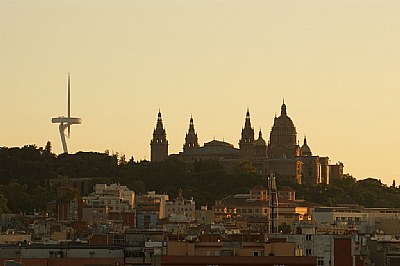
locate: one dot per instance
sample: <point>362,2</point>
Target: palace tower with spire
<point>159,143</point>
<point>247,141</point>
<point>281,156</point>
<point>191,141</point>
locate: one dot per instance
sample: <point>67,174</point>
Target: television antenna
<point>66,122</point>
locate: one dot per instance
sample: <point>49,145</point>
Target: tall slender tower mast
<point>69,104</point>
<point>272,205</point>
<point>66,122</point>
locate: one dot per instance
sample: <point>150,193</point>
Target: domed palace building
<point>282,156</point>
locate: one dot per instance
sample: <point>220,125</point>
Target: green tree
<point>138,186</point>
<point>3,204</point>
<point>48,148</point>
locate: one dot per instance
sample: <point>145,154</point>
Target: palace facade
<point>281,156</point>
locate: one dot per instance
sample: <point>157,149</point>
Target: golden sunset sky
<point>336,63</point>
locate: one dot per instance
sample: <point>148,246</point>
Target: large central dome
<point>283,137</point>
<point>284,121</point>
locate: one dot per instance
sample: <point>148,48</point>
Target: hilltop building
<point>282,155</point>
<point>283,150</point>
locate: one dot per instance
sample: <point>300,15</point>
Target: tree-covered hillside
<point>25,174</point>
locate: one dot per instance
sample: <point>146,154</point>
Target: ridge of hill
<point>25,173</point>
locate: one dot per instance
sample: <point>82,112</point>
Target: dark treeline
<point>25,174</point>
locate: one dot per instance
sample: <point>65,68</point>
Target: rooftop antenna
<point>272,205</point>
<point>69,104</point>
<point>66,122</point>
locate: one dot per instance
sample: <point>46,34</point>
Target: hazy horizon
<point>336,63</point>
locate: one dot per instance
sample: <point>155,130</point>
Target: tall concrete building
<point>159,143</point>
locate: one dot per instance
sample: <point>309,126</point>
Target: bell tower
<point>191,140</point>
<point>159,143</point>
<point>247,140</point>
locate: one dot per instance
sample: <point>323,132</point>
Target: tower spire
<point>191,140</point>
<point>283,108</point>
<point>247,140</point>
<point>159,143</point>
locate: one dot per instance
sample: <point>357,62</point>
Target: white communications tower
<point>66,122</point>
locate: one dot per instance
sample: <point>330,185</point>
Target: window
<point>216,253</point>
<point>308,237</point>
<point>208,253</point>
<point>308,251</point>
<point>256,254</point>
<point>320,261</point>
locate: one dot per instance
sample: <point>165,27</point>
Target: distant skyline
<point>336,63</point>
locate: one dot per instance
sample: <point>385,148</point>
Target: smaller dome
<point>305,149</point>
<point>260,141</point>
